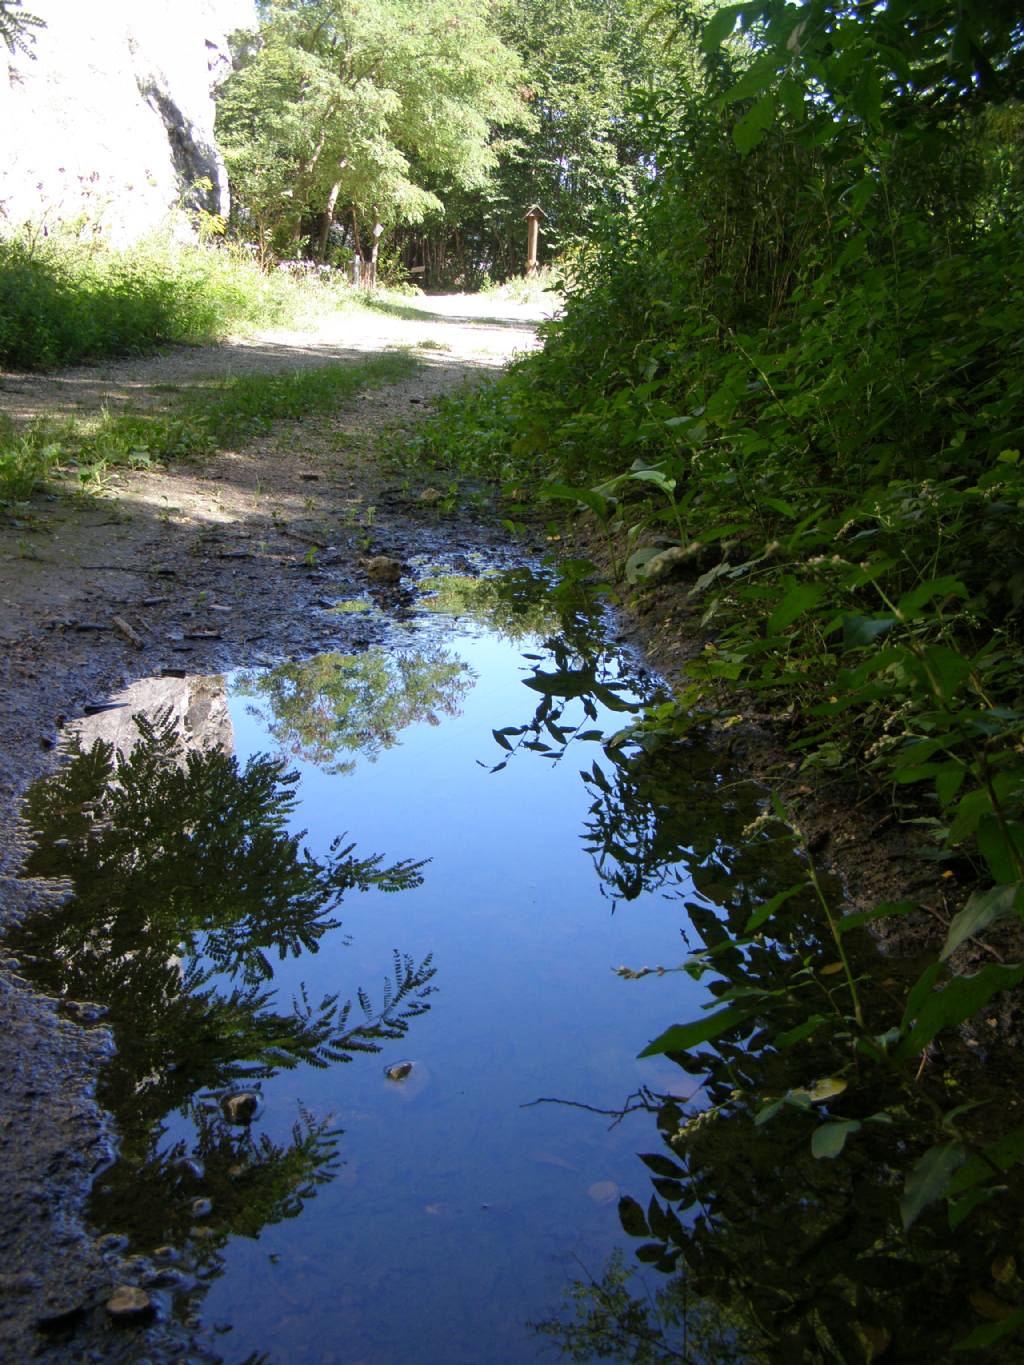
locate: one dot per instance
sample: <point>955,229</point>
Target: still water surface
<point>358,1218</point>
<point>470,848</point>
<point>460,1215</point>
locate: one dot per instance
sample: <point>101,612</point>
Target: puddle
<point>371,1038</point>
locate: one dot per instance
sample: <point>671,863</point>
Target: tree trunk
<point>358,247</point>
<point>326,219</point>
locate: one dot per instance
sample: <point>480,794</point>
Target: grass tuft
<point>210,417</point>
<point>64,300</point>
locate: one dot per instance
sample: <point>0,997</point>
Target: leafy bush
<point>64,300</point>
<point>790,372</point>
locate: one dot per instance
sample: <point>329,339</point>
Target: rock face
<point>197,706</point>
<point>113,120</point>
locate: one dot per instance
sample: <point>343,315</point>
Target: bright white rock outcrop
<point>113,120</point>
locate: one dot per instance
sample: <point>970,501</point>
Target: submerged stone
<point>128,1303</point>
<point>240,1109</point>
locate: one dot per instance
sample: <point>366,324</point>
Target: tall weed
<point>64,300</point>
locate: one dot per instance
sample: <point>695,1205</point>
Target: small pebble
<point>240,1108</point>
<point>128,1303</point>
<point>399,1071</point>
<point>384,569</point>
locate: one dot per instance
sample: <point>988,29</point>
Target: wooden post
<point>533,216</point>
<point>378,228</point>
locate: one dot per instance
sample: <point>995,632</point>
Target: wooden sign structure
<point>533,217</point>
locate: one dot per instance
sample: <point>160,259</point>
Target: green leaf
<point>983,908</point>
<point>948,781</point>
<point>946,670</point>
<point>1002,847</point>
<point>799,1033</point>
<point>720,26</point>
<point>769,908</point>
<point>754,79</point>
<point>868,98</point>
<point>780,505</point>
<point>829,1139</point>
<point>919,993</point>
<point>883,911</point>
<point>928,1179</point>
<point>969,811</point>
<point>988,1333</point>
<point>682,1037</point>
<point>638,559</point>
<point>957,1001</point>
<point>768,1111</point>
<point>960,1208</point>
<point>910,604</point>
<point>588,497</point>
<point>1000,1155</point>
<point>751,128</point>
<point>799,598</point>
<point>656,477</point>
<point>864,630</point>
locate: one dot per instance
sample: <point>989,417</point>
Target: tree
<point>584,63</point>
<point>348,108</point>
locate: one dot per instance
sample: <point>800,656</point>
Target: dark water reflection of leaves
<point>185,885</point>
<point>769,1253</point>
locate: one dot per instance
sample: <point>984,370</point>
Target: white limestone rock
<point>113,119</point>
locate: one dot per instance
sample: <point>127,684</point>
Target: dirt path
<point>189,569</point>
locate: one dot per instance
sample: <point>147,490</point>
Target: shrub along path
<point>216,552</point>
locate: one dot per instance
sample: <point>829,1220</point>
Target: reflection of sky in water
<point>459,1216</point>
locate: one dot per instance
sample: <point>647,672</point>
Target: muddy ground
<point>228,562</point>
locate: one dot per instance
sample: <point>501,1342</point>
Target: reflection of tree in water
<point>186,883</point>
<point>576,674</point>
<point>611,1322</point>
<point>792,1256</point>
<point>321,708</point>
<point>514,605</point>
<point>664,819</point>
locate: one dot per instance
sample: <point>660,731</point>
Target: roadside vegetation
<point>790,375</point>
<point>65,298</point>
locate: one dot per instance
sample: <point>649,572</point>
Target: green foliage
<point>797,365</point>
<point>346,109</point>
<point>789,374</point>
<point>25,461</point>
<point>580,156</point>
<point>64,299</point>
